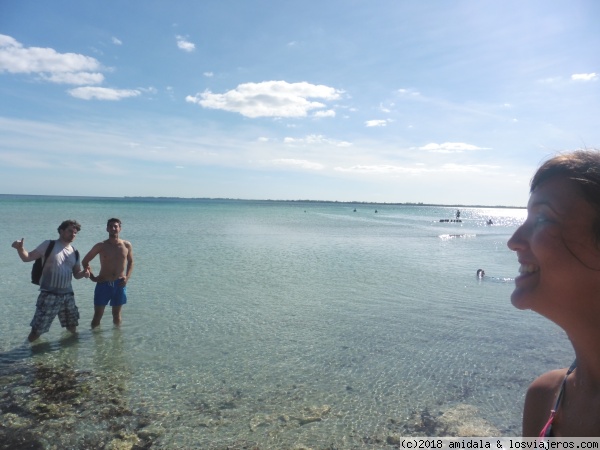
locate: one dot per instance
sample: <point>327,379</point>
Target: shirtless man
<point>116,265</point>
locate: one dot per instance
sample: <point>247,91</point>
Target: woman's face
<point>558,257</point>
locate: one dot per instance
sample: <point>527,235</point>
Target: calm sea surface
<point>275,325</point>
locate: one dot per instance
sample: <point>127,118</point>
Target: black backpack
<point>38,265</point>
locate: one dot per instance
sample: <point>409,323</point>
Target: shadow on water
<point>28,350</point>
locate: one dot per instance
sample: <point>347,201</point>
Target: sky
<point>438,101</point>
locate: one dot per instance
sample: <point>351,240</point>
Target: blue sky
<point>439,101</point>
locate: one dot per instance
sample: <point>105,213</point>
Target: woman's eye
<point>541,218</point>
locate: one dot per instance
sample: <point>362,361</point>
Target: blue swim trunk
<point>110,291</point>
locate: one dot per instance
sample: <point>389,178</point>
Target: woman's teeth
<point>528,268</point>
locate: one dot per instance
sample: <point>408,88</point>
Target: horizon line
<point>351,202</point>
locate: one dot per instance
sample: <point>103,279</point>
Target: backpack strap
<point>48,250</point>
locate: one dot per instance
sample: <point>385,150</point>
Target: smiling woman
<point>559,255</point>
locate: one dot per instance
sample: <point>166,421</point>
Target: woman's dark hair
<point>67,223</point>
<point>581,167</point>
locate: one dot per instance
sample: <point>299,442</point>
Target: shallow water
<point>281,325</point>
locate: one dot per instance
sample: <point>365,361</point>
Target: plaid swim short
<point>49,305</point>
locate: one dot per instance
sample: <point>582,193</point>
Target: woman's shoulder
<point>548,381</point>
<point>540,399</point>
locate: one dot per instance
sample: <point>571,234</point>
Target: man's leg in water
<point>98,313</point>
<point>33,335</point>
<point>116,312</point>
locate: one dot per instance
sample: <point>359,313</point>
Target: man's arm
<point>81,273</point>
<point>86,262</point>
<point>78,272</point>
<point>91,255</point>
<point>129,262</point>
<point>24,254</point>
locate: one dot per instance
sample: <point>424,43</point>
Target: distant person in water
<point>558,250</point>
<point>458,213</point>
<point>480,273</point>
<point>116,265</point>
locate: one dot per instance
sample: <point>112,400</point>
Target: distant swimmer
<point>480,273</point>
<point>489,222</point>
<point>458,213</point>
<point>375,210</point>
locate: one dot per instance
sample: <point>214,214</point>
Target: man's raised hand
<point>18,244</point>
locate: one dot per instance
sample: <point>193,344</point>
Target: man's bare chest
<point>113,252</point>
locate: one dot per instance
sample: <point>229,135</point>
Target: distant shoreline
<point>220,199</point>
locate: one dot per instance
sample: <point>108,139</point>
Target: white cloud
<point>208,74</point>
<point>408,92</point>
<point>315,139</point>
<point>302,163</point>
<point>100,93</point>
<point>376,123</point>
<point>450,147</point>
<point>68,68</point>
<point>584,76</point>
<point>550,80</point>
<point>379,169</point>
<point>184,44</point>
<point>390,169</point>
<point>78,78</point>
<point>268,99</point>
<point>460,168</point>
<point>328,113</point>
<point>21,160</point>
<point>116,41</point>
<point>108,168</point>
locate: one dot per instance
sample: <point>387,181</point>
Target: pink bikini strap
<point>547,430</point>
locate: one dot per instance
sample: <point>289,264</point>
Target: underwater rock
<point>125,442</point>
<point>151,432</point>
<point>10,420</point>
<point>50,406</point>
<point>458,421</point>
<point>463,421</point>
<point>260,421</point>
<point>308,420</point>
<point>313,414</point>
<point>393,439</point>
<point>21,390</point>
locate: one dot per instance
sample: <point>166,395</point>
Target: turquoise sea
<point>267,325</point>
